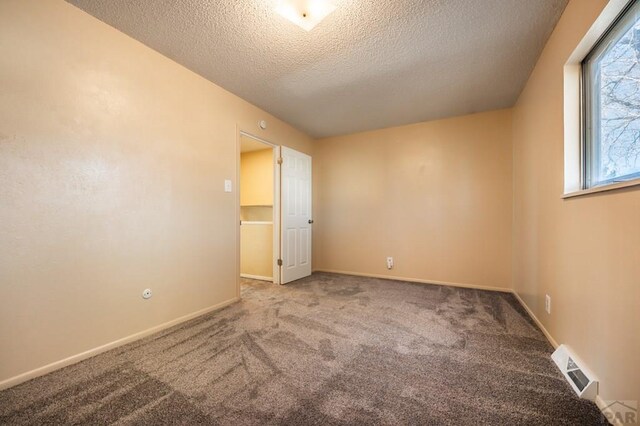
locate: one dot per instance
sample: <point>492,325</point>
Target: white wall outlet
<point>146,294</point>
<point>227,185</point>
<point>547,303</point>
<point>389,262</point>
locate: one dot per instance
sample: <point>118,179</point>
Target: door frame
<point>276,205</point>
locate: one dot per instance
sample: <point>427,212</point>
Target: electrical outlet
<point>389,262</point>
<point>547,303</point>
<point>146,294</point>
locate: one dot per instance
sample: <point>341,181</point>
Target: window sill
<point>603,188</point>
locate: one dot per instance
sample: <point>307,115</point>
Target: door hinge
<point>279,262</point>
<point>280,160</point>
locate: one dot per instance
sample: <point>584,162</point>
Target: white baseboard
<point>257,277</point>
<point>599,402</point>
<point>537,321</point>
<point>602,405</point>
<point>21,378</point>
<point>474,286</point>
<point>616,419</point>
<point>13,381</point>
<point>417,280</point>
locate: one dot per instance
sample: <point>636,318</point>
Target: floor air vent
<point>578,376</point>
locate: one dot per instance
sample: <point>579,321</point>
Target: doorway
<point>274,199</point>
<point>259,213</point>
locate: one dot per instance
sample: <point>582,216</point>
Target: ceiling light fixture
<point>305,13</point>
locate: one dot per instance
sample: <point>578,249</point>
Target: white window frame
<point>575,142</point>
<point>589,98</point>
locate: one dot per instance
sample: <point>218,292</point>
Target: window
<point>611,85</point>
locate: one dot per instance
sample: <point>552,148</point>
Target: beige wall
<point>256,178</point>
<point>257,250</point>
<point>112,161</point>
<point>584,252</point>
<point>436,196</point>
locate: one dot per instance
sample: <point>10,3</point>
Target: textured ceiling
<point>370,64</point>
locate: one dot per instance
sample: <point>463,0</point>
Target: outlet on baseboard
<point>389,262</point>
<point>547,303</point>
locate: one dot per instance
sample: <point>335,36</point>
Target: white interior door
<point>296,215</point>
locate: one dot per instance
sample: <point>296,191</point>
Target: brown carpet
<point>325,350</point>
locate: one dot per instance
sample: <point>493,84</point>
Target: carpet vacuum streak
<point>326,350</point>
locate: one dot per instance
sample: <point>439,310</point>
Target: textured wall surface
<point>436,196</point>
<point>112,162</point>
<point>256,178</point>
<point>369,65</point>
<point>584,252</point>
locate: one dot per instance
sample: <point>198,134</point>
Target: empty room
<point>327,212</point>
